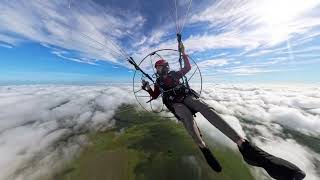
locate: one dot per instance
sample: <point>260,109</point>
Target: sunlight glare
<point>277,15</point>
<point>276,12</point>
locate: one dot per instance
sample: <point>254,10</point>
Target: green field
<point>144,146</point>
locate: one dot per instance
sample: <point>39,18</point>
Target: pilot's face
<point>159,69</point>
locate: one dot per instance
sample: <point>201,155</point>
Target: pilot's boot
<point>211,160</point>
<point>276,167</point>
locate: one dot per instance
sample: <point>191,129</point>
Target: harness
<point>174,93</point>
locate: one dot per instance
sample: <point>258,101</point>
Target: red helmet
<point>161,62</point>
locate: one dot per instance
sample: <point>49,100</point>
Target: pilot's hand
<point>145,85</point>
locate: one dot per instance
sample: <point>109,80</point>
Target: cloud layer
<point>44,125</point>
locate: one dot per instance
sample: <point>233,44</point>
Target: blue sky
<point>65,41</point>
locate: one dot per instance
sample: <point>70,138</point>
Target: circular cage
<point>193,77</point>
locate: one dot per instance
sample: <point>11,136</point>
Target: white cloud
<point>45,126</point>
<point>287,106</point>
<point>295,119</point>
<point>231,39</point>
<point>213,63</point>
<point>85,27</point>
<point>255,24</point>
<point>82,60</point>
<point>6,46</point>
<point>240,71</point>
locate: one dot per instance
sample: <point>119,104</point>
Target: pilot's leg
<point>209,113</point>
<point>276,167</point>
<point>185,115</point>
